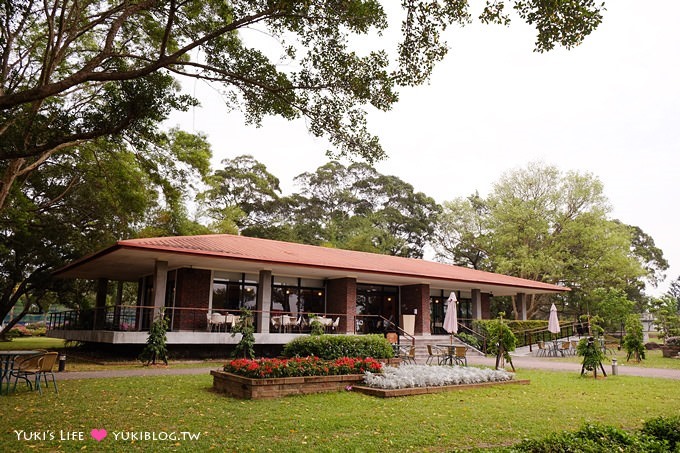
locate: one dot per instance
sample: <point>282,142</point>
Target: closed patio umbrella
<point>553,322</point>
<point>451,318</point>
<point>553,327</point>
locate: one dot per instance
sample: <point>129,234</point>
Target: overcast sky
<point>610,107</point>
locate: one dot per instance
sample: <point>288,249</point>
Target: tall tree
<point>241,195</point>
<point>542,224</point>
<point>75,71</point>
<point>83,200</point>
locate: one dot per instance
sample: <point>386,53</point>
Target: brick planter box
<point>670,351</point>
<point>248,388</point>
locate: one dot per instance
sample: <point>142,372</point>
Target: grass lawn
<point>32,343</point>
<point>344,421</point>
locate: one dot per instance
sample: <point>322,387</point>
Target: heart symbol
<point>98,434</point>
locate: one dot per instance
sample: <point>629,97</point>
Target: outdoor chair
<point>574,346</point>
<point>542,350</point>
<point>26,367</point>
<point>335,324</point>
<point>566,348</point>
<point>459,355</point>
<point>434,352</point>
<point>46,365</point>
<point>408,356</point>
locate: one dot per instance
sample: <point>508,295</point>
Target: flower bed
<point>273,378</point>
<point>297,367</point>
<point>419,379</point>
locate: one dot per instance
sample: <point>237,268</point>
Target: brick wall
<point>341,298</point>
<point>486,306</point>
<point>193,291</point>
<point>417,297</point>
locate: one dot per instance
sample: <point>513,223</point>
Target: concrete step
<point>422,342</point>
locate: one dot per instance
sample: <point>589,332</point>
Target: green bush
<point>593,438</point>
<point>632,342</point>
<point>330,347</point>
<point>666,428</point>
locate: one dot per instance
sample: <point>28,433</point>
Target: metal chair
<point>435,352</point>
<point>410,356</point>
<point>459,355</point>
<point>46,365</point>
<point>25,367</point>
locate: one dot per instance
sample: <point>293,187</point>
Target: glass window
<point>233,295</point>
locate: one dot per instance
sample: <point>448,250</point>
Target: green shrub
<point>664,428</point>
<point>330,347</point>
<point>156,349</point>
<point>469,339</point>
<point>633,341</point>
<point>593,438</point>
<point>499,332</point>
<point>246,346</point>
<point>592,353</point>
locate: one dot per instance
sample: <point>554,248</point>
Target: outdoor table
<point>7,364</point>
<point>450,353</point>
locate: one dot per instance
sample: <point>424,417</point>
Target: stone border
<point>392,393</point>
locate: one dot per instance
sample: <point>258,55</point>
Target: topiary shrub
<point>633,341</point>
<point>156,349</point>
<point>330,347</point>
<point>246,346</point>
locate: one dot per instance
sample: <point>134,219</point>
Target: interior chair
<point>209,318</point>
<point>46,365</point>
<point>459,355</point>
<point>218,320</point>
<point>435,352</point>
<point>25,368</point>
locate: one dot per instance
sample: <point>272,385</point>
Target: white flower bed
<point>408,376</point>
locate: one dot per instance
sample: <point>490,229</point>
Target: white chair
<point>288,322</point>
<point>336,323</point>
<point>276,322</point>
<point>218,320</point>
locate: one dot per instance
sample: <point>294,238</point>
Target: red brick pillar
<point>417,297</point>
<point>341,299</point>
<point>486,306</point>
<point>194,288</point>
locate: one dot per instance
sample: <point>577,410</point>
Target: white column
<point>522,305</point>
<point>264,301</point>
<point>160,283</point>
<point>476,304</point>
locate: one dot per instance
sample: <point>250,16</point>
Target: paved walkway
<point>548,363</point>
<point>520,362</point>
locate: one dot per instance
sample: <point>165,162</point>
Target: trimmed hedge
<point>331,347</point>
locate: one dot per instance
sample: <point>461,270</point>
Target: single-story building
<point>203,282</point>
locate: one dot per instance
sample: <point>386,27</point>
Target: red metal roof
<point>276,252</point>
